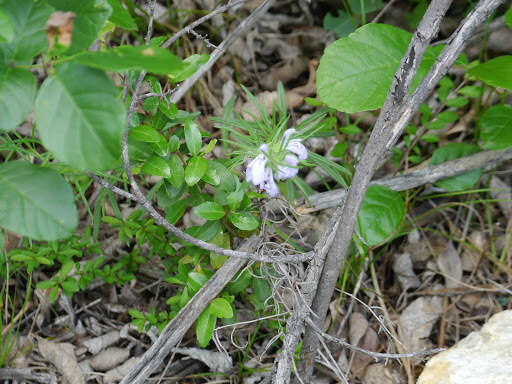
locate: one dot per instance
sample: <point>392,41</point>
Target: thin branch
<point>486,160</point>
<point>375,355</point>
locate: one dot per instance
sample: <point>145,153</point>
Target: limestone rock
<point>483,357</point>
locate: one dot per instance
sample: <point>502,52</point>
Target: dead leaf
<point>357,327</point>
<point>402,266</point>
<point>450,265</point>
<point>118,373</point>
<point>62,356</point>
<point>380,374</point>
<point>502,191</point>
<point>109,358</point>
<point>216,361</point>
<point>99,343</point>
<point>59,28</point>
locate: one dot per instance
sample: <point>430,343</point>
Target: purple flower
<point>260,174</point>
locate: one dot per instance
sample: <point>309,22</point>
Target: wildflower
<point>260,173</point>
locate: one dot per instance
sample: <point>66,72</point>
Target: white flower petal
<point>298,148</point>
<point>257,172</point>
<point>285,172</point>
<point>287,134</point>
<point>270,185</point>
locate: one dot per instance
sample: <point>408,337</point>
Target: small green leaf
<point>193,137</point>
<point>244,221</point>
<point>204,327</point>
<point>174,211</point>
<point>496,72</point>
<point>177,172</point>
<point>211,176</point>
<point>430,138</point>
<point>54,293</point>
<point>126,57</point>
<point>195,169</point>
<point>471,91</point>
<point>17,94</point>
<point>457,102</point>
<point>174,144</point>
<point>36,202</point>
<point>69,286</point>
<point>508,17</point>
<point>120,16</point>
<point>80,117</point>
<point>146,134</point>
<point>351,129</point>
<point>6,28</point>
<point>496,127</point>
<point>46,284</point>
<point>341,25</point>
<point>454,151</point>
<point>381,213</point>
<point>136,314</point>
<point>196,280</point>
<point>221,308</point>
<point>157,166</point>
<point>358,6</point>
<point>192,64</point>
<point>210,211</point>
<point>66,268</point>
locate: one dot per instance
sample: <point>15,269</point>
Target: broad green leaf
<point>126,57</point>
<point>196,280</point>
<point>177,172</point>
<point>244,221</point>
<point>454,151</point>
<point>6,28</point>
<point>69,286</point>
<point>356,72</point>
<point>367,6</point>
<point>45,284</point>
<point>508,17</point>
<point>261,289</point>
<point>192,65</point>
<point>221,308</point>
<point>28,18</point>
<point>157,166</point>
<point>204,232</point>
<point>174,211</point>
<point>120,16</point>
<point>17,94</point>
<point>496,72</point>
<point>195,169</point>
<point>80,117</point>
<point>204,327</point>
<point>380,216</point>
<point>496,127</point>
<point>90,19</point>
<point>146,134</point>
<point>341,25</point>
<point>193,137</point>
<point>457,102</point>
<point>168,194</point>
<point>211,176</point>
<point>210,210</point>
<point>36,202</point>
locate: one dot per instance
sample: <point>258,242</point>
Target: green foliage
<point>42,195</point>
<point>17,94</point>
<point>80,118</point>
<point>341,25</point>
<point>496,72</point>
<point>496,127</point>
<point>381,214</point>
<point>349,82</point>
<point>454,151</point>
<point>120,16</point>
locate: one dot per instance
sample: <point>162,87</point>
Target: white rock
<point>483,357</point>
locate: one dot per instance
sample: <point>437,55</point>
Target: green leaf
<point>157,166</point>
<point>496,72</point>
<point>193,137</point>
<point>174,211</point>
<point>127,57</point>
<point>244,221</point>
<point>192,65</point>
<point>211,176</point>
<point>204,232</point>
<point>496,127</point>
<point>28,18</point>
<point>221,308</point>
<point>6,28</point>
<point>195,169</point>
<point>120,16</point>
<point>457,102</point>
<point>368,6</point>
<point>341,26</point>
<point>204,327</point>
<point>80,118</point>
<point>508,17</point>
<point>17,94</point>
<point>69,286</point>
<point>196,280</point>
<point>90,19</point>
<point>454,151</point>
<point>356,72</point>
<point>136,314</point>
<point>46,284</point>
<point>177,171</point>
<point>36,202</point>
<point>210,211</point>
<point>381,213</point>
<point>146,134</point>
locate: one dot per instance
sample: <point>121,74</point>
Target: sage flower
<point>260,173</point>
